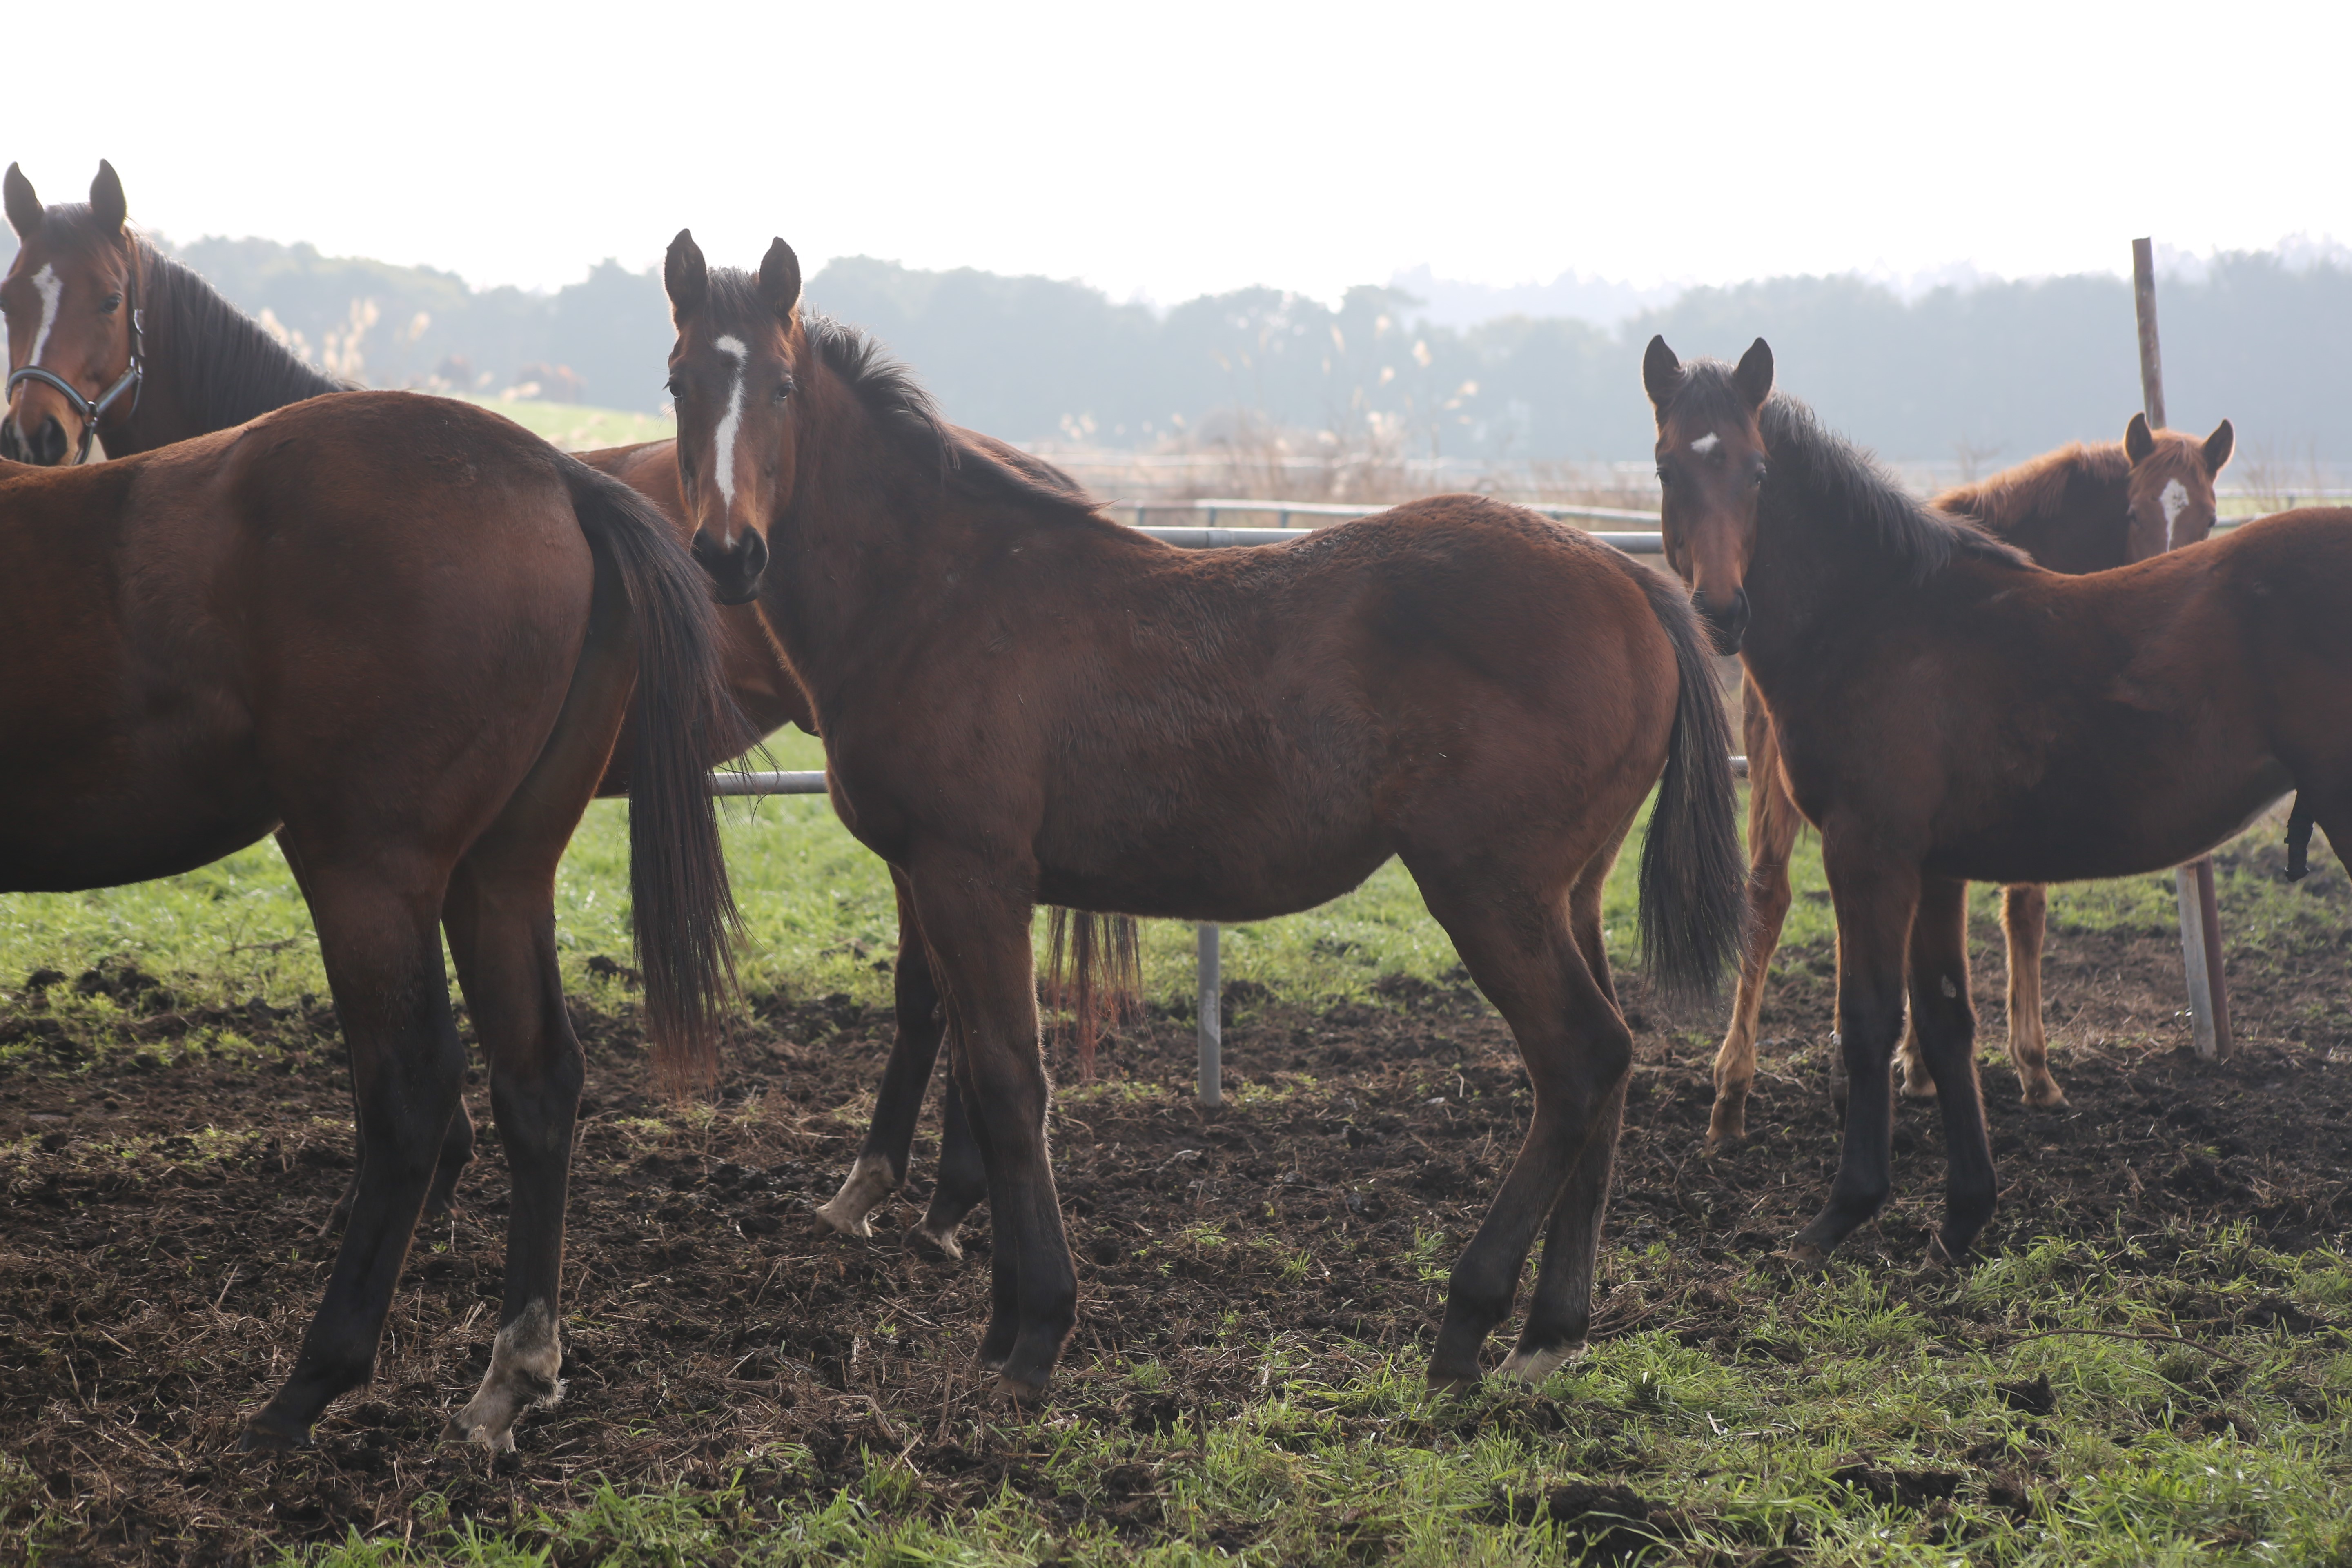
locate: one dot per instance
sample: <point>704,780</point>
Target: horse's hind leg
<point>1946,1020</point>
<point>457,1150</point>
<point>382,955</point>
<point>1578,1053</point>
<point>1773,825</point>
<point>1560,1313</point>
<point>881,1165</point>
<point>963,1178</point>
<point>2023,914</point>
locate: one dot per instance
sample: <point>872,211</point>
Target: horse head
<point>730,380</point>
<point>1711,466</point>
<point>74,320</point>
<point>2173,477</point>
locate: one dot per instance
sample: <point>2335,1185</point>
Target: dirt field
<point>159,1251</point>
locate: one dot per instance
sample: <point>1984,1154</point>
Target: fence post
<point>2200,915</point>
<point>1211,1032</point>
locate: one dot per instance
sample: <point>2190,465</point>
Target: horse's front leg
<point>1875,898</point>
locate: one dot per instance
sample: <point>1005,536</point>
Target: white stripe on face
<point>51,289</point>
<point>1707,443</point>
<point>2172,497</point>
<point>723,469</point>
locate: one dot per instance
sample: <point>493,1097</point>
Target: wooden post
<point>1210,1085</point>
<point>2200,915</point>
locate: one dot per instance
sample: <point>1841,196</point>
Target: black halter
<point>92,411</point>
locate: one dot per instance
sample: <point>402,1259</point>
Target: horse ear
<point>1754,376</point>
<point>106,203</point>
<point>685,276</point>
<point>780,279</point>
<point>1662,372</point>
<point>24,208</point>
<point>2218,448</point>
<point>2139,442</point>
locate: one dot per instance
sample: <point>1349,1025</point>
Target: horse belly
<point>1230,867</point>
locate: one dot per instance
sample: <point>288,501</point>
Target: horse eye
<point>783,390</point>
<point>673,388</point>
<point>113,304</point>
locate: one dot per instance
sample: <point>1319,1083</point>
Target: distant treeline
<point>1989,373</point>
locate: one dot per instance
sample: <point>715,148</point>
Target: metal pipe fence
<point>1209,1027</point>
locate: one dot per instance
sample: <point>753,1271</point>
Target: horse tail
<point>1694,879</point>
<point>1095,973</point>
<point>682,912</point>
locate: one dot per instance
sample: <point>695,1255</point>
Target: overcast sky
<point>1172,149</point>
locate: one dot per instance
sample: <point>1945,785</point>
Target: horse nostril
<point>49,442</point>
<point>755,557</point>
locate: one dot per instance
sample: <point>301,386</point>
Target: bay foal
<point>2079,508</point>
<point>401,633</point>
<point>1947,711</point>
<point>1023,702</point>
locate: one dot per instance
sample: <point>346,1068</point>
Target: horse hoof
<point>1719,1139</point>
<point>1018,1392</point>
<point>1920,1090</point>
<point>1535,1368</point>
<point>1807,1258</point>
<point>2051,1099</point>
<point>853,1226</point>
<point>258,1439</point>
<point>943,1243</point>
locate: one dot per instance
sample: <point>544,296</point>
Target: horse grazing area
<point>2152,1361</point>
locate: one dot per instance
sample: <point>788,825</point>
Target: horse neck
<point>209,365</point>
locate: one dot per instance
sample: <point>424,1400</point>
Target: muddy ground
<point>147,1300</point>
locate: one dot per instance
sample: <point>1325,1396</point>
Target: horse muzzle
<point>46,446</point>
<point>1727,624</point>
<point>734,572</point>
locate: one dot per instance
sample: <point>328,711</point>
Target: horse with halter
<point>2079,508</point>
<point>1949,712</point>
<point>402,634</point>
<point>1023,702</point>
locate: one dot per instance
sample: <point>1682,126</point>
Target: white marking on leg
<point>1534,1367</point>
<point>2172,497</point>
<point>870,1180</point>
<point>723,469</point>
<point>51,289</point>
<point>524,1360</point>
<point>1707,443</point>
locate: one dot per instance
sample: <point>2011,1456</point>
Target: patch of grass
<point>579,427</point>
<point>1909,1431</point>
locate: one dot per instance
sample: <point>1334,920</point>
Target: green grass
<point>2233,1447</point>
<point>576,427</point>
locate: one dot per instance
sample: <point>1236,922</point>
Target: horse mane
<point>224,367</point>
<point>1818,478</point>
<point>976,466</point>
<point>2035,489</point>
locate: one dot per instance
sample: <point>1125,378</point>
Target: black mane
<point>974,465</point>
<point>224,367</point>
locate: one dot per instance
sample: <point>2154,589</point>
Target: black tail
<point>1096,971</point>
<point>1693,877</point>
<point>682,909</point>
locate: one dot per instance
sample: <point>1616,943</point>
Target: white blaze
<point>724,468</point>
<point>1707,443</point>
<point>51,289</point>
<point>2172,497</point>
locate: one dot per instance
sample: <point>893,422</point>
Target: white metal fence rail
<point>1209,1023</point>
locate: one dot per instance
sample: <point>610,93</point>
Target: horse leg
<point>1560,1313</point>
<point>1579,1054</point>
<point>2023,912</point>
<point>963,1178</point>
<point>1773,825</point>
<point>1946,1020</point>
<point>1875,904</point>
<point>382,955</point>
<point>457,1150</point>
<point>501,922</point>
<point>880,1168</point>
<point>979,937</point>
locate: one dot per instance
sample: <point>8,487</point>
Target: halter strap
<point>92,410</point>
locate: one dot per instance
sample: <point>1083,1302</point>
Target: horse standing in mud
<point>1023,702</point>
<point>1947,711</point>
<point>402,634</point>
<point>2079,509</point>
<point>196,364</point>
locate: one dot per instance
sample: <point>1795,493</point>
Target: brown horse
<point>401,633</point>
<point>1022,703</point>
<point>1947,711</point>
<point>197,364</point>
<point>2079,508</point>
